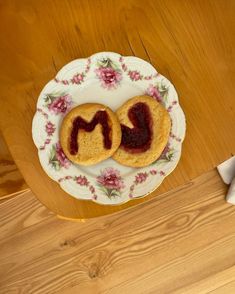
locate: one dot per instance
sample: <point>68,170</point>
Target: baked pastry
<point>145,125</point>
<point>90,133</point>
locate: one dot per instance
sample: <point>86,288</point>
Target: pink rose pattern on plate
<point>46,142</point>
<point>110,182</point>
<point>135,75</point>
<point>167,155</point>
<point>49,128</point>
<point>153,92</point>
<point>159,91</point>
<point>109,73</point>
<point>170,107</point>
<point>141,178</point>
<point>57,158</point>
<point>58,103</point>
<point>81,181</point>
<point>78,78</point>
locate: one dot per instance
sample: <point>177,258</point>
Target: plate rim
<point>183,121</point>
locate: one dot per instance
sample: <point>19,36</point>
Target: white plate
<point>110,79</point>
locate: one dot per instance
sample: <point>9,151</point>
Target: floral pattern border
<point>78,78</point>
<point>135,75</point>
<point>48,127</point>
<point>82,181</point>
<point>141,178</point>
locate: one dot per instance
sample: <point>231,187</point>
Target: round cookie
<point>145,125</point>
<point>90,133</point>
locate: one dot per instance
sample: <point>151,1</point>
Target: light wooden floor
<point>11,181</point>
<point>181,242</point>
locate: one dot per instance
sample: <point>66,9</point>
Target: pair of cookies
<point>135,136</point>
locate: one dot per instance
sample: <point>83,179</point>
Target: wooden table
<point>190,42</point>
<point>182,242</point>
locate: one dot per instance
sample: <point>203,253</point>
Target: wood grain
<point>190,42</point>
<point>180,242</point>
<point>11,181</point>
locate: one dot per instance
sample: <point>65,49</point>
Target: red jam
<point>138,139</point>
<point>101,117</point>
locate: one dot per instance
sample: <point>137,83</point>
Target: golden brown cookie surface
<point>90,133</point>
<point>145,131</point>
